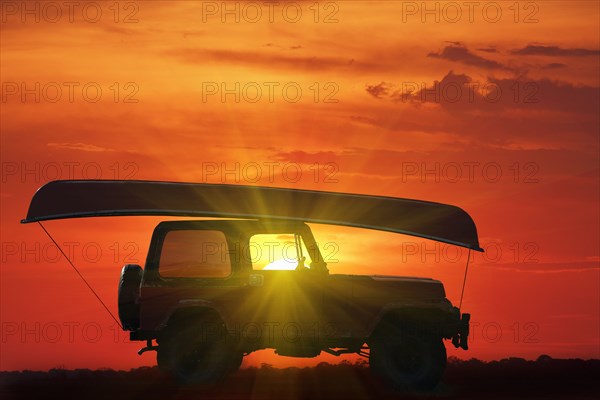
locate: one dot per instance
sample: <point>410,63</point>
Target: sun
<point>281,265</point>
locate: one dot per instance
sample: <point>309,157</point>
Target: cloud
<point>273,45</point>
<point>546,94</point>
<point>362,119</point>
<point>378,91</point>
<point>79,147</point>
<point>389,161</point>
<point>488,50</point>
<point>536,50</point>
<point>263,59</point>
<point>554,66</point>
<point>461,93</point>
<point>462,54</point>
<point>193,33</point>
<point>518,113</point>
<point>546,267</point>
<point>304,157</point>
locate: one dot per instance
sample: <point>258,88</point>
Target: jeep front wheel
<point>408,360</point>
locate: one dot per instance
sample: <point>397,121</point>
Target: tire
<point>163,359</point>
<point>128,297</point>
<point>194,359</point>
<point>408,360</point>
<point>236,361</point>
<point>163,355</point>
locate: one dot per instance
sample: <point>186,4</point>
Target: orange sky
<point>517,148</point>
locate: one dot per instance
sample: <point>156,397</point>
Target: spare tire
<point>129,294</point>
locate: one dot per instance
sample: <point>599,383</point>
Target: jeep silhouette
<point>203,302</point>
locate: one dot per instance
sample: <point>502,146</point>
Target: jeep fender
<point>192,309</point>
<point>429,316</point>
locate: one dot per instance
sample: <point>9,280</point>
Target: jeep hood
<point>390,287</point>
<point>96,198</point>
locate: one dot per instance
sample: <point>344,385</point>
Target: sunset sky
<point>494,109</point>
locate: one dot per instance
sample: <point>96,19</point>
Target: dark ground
<point>513,378</point>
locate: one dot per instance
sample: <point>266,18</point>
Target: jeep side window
<point>194,254</point>
<point>276,252</point>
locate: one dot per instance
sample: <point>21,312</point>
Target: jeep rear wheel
<point>163,355</point>
<point>408,360</point>
<point>193,358</point>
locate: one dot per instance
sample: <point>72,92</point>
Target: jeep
<point>205,298</point>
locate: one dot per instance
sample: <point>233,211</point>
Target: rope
<point>81,276</point>
<point>464,280</point>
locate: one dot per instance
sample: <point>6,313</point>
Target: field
<point>505,379</point>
